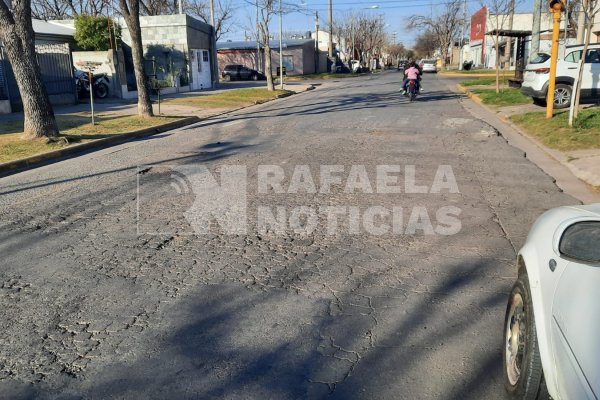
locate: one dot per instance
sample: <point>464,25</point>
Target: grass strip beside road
<point>556,134</point>
<point>485,80</point>
<point>322,75</point>
<point>506,97</point>
<point>74,128</point>
<point>484,72</point>
<point>227,99</point>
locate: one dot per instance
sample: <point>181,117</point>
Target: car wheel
<point>227,78</point>
<point>523,374</point>
<point>254,77</point>
<point>562,95</point>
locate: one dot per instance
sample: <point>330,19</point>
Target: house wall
<point>303,58</point>
<point>173,34</point>
<point>245,57</point>
<point>109,64</point>
<point>477,36</point>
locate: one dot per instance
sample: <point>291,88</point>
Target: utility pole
<point>316,42</point>
<point>330,28</point>
<point>535,31</point>
<point>511,15</point>
<point>462,37</point>
<point>180,4</point>
<point>215,62</point>
<point>257,41</point>
<point>280,45</point>
<point>581,23</point>
<point>557,7</point>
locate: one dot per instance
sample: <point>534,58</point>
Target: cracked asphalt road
<point>92,308</point>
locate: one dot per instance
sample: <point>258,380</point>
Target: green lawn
<point>485,80</point>
<point>555,133</point>
<point>74,128</point>
<point>478,72</point>
<point>227,99</point>
<point>506,97</point>
<point>323,75</point>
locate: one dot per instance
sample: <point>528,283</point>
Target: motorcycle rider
<point>412,72</point>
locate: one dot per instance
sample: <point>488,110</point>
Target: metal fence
<point>56,65</point>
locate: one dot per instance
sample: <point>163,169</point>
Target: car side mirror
<point>581,241</point>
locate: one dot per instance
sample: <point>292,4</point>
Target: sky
<point>394,12</point>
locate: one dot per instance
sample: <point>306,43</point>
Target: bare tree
<point>224,11</point>
<point>16,33</point>
<point>64,9</point>
<point>499,15</point>
<point>363,35</point>
<point>590,8</point>
<point>444,26</point>
<point>426,44</point>
<point>267,9</point>
<point>131,13</point>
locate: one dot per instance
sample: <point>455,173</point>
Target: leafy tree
<point>16,34</point>
<point>93,34</point>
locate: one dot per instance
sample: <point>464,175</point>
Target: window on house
<point>204,55</point>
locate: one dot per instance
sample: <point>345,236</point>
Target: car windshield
<point>540,58</point>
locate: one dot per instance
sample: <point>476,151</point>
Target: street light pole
<point>257,40</point>
<point>280,45</point>
<point>330,29</point>
<point>215,62</point>
<point>462,38</point>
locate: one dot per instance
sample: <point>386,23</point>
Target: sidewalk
<point>119,108</point>
<point>584,164</point>
<point>124,107</point>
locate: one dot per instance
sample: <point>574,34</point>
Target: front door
<point>201,78</point>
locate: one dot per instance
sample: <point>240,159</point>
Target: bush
<point>91,33</point>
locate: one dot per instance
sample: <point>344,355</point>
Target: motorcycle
<point>100,84</point>
<point>412,89</point>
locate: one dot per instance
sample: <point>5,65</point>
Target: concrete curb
<point>38,160</point>
<point>586,176</point>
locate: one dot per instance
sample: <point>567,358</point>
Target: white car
<point>428,65</point>
<point>552,324</point>
<point>535,79</point>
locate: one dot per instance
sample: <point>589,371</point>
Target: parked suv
<point>235,72</point>
<point>535,81</point>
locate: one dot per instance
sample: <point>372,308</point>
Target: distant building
<point>298,55</point>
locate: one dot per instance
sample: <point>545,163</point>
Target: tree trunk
<point>132,19</point>
<point>268,70</point>
<point>577,91</point>
<point>17,35</point>
<point>497,47</point>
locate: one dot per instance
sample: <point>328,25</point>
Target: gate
<point>56,66</point>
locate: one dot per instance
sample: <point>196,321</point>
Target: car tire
<point>522,367</point>
<point>227,78</point>
<point>254,77</point>
<point>562,95</point>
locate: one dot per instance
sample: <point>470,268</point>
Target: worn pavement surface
<point>91,308</point>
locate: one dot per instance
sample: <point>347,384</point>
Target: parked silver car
<point>428,65</point>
